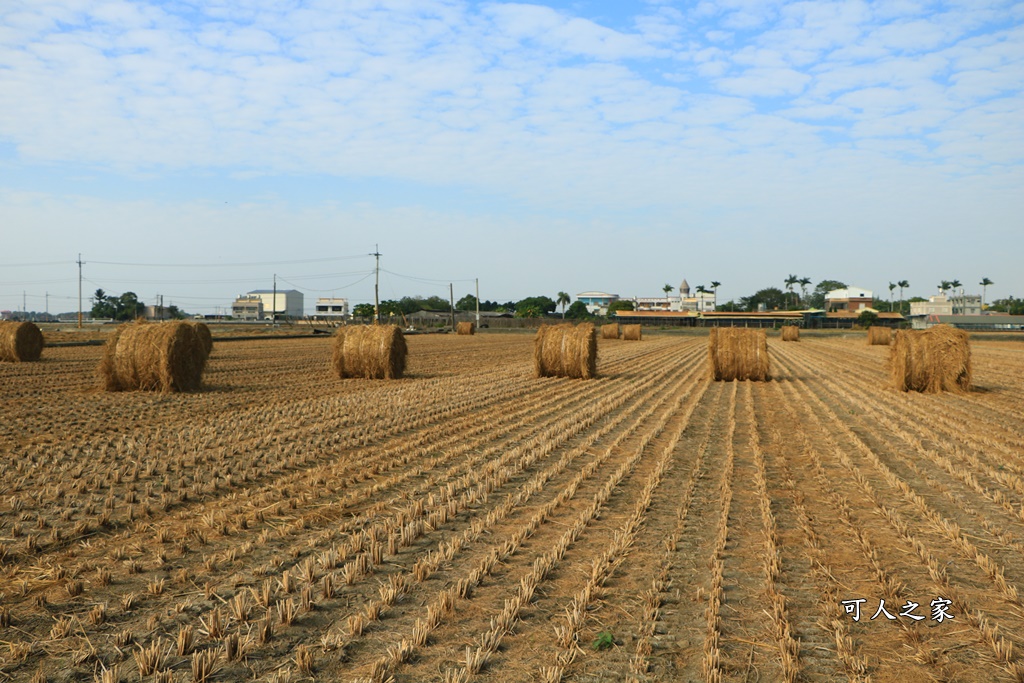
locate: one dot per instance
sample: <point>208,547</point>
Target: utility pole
<point>47,304</point>
<point>273,307</point>
<point>24,306</point>
<point>478,303</point>
<point>79,290</point>
<point>451,295</point>
<point>376,285</point>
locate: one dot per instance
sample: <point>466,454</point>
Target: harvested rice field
<point>473,522</point>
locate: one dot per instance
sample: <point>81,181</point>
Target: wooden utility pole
<point>376,285</point>
<point>478,303</point>
<point>79,290</point>
<point>451,295</point>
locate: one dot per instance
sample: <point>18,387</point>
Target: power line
<point>225,265</point>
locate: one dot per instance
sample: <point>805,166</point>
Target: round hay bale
<point>566,351</point>
<point>20,342</point>
<point>631,332</point>
<point>610,331</point>
<point>465,328</point>
<point>790,333</point>
<point>879,336</point>
<point>738,353</point>
<point>203,330</point>
<point>931,361</point>
<point>370,352</point>
<point>165,357</point>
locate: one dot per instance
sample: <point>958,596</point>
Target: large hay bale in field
<point>566,351</point>
<point>203,330</point>
<point>20,342</point>
<point>370,352</point>
<point>738,353</point>
<point>166,357</point>
<point>879,336</point>
<point>465,328</point>
<point>610,331</point>
<point>790,333</point>
<point>931,361</point>
<point>631,332</point>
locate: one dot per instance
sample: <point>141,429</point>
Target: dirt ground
<point>472,522</point>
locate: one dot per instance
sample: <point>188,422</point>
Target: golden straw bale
<point>631,332</point>
<point>166,357</point>
<point>790,333</point>
<point>20,342</point>
<point>465,328</point>
<point>203,330</point>
<point>879,336</point>
<point>738,353</point>
<point>566,351</point>
<point>610,331</point>
<point>370,352</point>
<point>931,361</point>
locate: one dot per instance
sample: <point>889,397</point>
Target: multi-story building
<point>329,307</point>
<point>597,303</point>
<point>849,299</point>
<point>247,307</point>
<point>288,303</point>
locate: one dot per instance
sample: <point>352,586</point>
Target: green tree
<point>537,305</point>
<point>729,307</point>
<point>127,306</point>
<point>619,305</point>
<point>563,300</point>
<point>902,284</point>
<point>363,311</point>
<point>985,282</point>
<point>467,303</point>
<point>804,281</point>
<point>867,318</point>
<point>892,286</point>
<point>790,281</point>
<point>667,289</point>
<point>817,298</point>
<point>101,305</point>
<point>714,288</point>
<point>1009,305</point>
<point>773,298</point>
<point>577,311</point>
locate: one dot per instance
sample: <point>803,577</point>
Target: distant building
<point>289,303</point>
<point>849,299</point>
<point>328,307</point>
<point>247,308</point>
<point>597,303</point>
<point>936,305</point>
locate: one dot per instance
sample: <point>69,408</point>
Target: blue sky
<point>538,146</point>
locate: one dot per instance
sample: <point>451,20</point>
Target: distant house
<point>597,303</point>
<point>329,307</point>
<point>247,308</point>
<point>849,299</point>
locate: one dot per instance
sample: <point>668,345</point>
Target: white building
<point>329,307</point>
<point>597,303</point>
<point>700,301</point>
<point>288,304</point>
<point>958,304</point>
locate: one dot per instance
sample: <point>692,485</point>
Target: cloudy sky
<point>539,146</point>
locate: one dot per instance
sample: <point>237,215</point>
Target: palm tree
<point>701,289</point>
<point>892,286</point>
<point>804,281</point>
<point>714,288</point>
<point>790,281</point>
<point>954,285</point>
<point>563,301</point>
<point>667,289</point>
<point>901,284</point>
<point>943,286</point>
<point>985,282</point>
